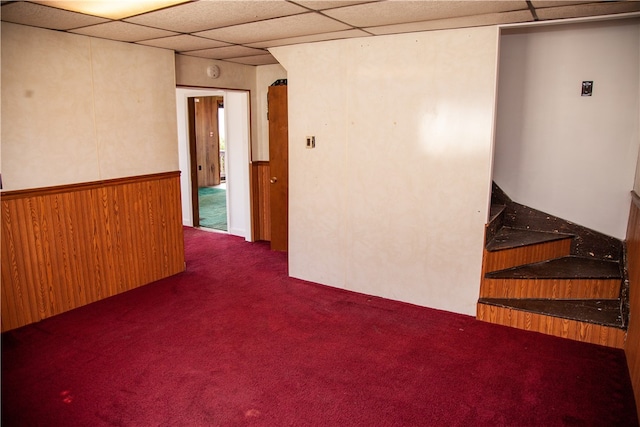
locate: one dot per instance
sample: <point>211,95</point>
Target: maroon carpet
<point>233,341</point>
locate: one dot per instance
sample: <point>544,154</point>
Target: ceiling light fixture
<point>112,9</point>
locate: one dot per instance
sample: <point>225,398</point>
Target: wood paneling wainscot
<point>632,347</point>
<point>67,246</point>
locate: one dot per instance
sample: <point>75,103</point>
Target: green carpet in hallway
<point>213,207</point>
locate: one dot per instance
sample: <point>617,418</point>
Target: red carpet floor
<point>234,342</point>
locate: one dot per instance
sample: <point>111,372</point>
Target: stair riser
<point>500,260</point>
<point>551,288</point>
<point>563,328</point>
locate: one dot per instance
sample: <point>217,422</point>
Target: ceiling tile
<point>398,12</point>
<point>275,29</point>
<point>241,30</point>
<point>255,60</point>
<point>347,34</point>
<point>110,9</point>
<point>462,22</point>
<point>329,4</point>
<point>123,31</point>
<point>203,15</point>
<point>577,11</point>
<point>226,52</point>
<point>38,15</point>
<point>554,3</point>
<point>184,42</point>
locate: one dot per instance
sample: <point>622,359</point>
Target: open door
<point>279,166</point>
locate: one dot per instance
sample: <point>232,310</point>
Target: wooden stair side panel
<point>507,258</point>
<point>555,326</point>
<point>551,288</point>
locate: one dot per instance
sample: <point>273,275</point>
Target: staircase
<point>544,274</point>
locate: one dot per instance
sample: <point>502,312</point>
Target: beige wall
<point>78,109</point>
<point>568,155</point>
<point>394,198</point>
<point>192,72</point>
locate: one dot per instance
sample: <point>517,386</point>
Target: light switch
<point>311,142</point>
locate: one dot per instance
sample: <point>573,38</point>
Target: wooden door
<point>207,140</point>
<point>279,167</point>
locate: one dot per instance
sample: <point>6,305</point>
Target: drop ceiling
<point>241,31</point>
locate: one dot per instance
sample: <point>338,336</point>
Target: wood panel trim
<point>563,328</point>
<point>83,186</point>
<point>65,249</point>
<point>632,347</point>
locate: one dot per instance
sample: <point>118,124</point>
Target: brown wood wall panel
<point>632,348</point>
<point>65,247</point>
<point>261,200</point>
<point>500,260</point>
<point>564,328</point>
<point>552,288</point>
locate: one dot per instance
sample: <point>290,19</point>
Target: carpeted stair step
<point>512,247</point>
<point>496,220</point>
<point>568,277</point>
<point>568,267</point>
<point>605,312</point>
<point>595,322</point>
<point>509,238</point>
<point>546,274</point>
<point>496,209</point>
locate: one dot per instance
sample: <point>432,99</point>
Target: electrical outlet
<point>311,142</point>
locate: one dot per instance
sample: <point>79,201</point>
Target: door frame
<point>239,213</point>
<point>193,152</point>
<point>193,165</point>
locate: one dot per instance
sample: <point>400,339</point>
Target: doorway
<point>207,125</point>
<point>234,167</point>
